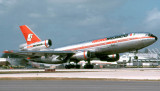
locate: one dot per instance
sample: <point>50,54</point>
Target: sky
<point>67,22</point>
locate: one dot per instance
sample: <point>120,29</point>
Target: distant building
<point>130,56</point>
<point>148,58</point>
<point>3,61</point>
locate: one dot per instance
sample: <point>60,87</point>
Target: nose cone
<point>156,38</point>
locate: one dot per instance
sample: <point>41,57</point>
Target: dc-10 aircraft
<point>105,49</point>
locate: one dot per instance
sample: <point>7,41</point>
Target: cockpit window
<point>120,36</point>
<point>151,35</point>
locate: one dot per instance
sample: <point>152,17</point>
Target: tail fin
<point>30,36</point>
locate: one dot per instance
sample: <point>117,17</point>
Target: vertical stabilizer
<point>29,35</point>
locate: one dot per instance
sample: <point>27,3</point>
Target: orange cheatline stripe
<point>29,46</point>
<point>46,44</point>
<point>113,56</point>
<point>84,56</point>
<point>28,58</point>
<point>111,42</point>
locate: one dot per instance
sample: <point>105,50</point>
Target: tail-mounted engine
<point>36,46</point>
<point>82,55</point>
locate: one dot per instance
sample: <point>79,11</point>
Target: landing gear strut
<point>135,57</point>
<point>88,65</point>
<point>77,66</point>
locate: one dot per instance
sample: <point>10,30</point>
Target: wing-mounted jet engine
<point>108,58</point>
<point>82,55</point>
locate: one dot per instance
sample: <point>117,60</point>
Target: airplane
<point>105,49</point>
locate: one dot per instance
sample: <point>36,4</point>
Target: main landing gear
<point>88,65</point>
<point>70,66</point>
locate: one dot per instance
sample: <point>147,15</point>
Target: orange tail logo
<point>29,35</point>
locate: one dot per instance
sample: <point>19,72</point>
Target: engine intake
<point>83,55</point>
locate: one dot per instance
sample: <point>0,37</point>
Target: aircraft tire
<point>77,66</point>
<point>135,57</point>
<point>70,66</point>
<point>87,66</point>
<point>67,67</point>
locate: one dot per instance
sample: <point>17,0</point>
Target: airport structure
<point>148,58</point>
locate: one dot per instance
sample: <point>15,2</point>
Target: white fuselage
<point>110,45</point>
<point>128,42</point>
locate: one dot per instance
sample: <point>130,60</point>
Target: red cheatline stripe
<point>29,46</point>
<point>28,58</point>
<point>84,56</point>
<point>46,44</point>
<point>111,42</point>
<point>113,56</point>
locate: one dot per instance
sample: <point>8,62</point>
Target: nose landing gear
<point>135,56</point>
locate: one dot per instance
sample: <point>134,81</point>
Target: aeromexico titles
<point>105,49</point>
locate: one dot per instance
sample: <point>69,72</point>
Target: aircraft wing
<point>39,53</point>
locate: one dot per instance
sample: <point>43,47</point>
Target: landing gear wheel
<point>135,57</point>
<point>67,67</point>
<point>70,66</point>
<point>88,66</point>
<point>77,66</point>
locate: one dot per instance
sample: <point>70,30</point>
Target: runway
<point>78,85</point>
<point>100,74</point>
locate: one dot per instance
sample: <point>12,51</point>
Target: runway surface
<point>78,85</point>
<point>110,74</point>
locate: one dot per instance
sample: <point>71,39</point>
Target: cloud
<point>67,1</point>
<point>152,21</point>
<point>6,5</point>
<point>153,15</point>
<point>59,20</point>
<point>81,13</point>
<point>35,15</point>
